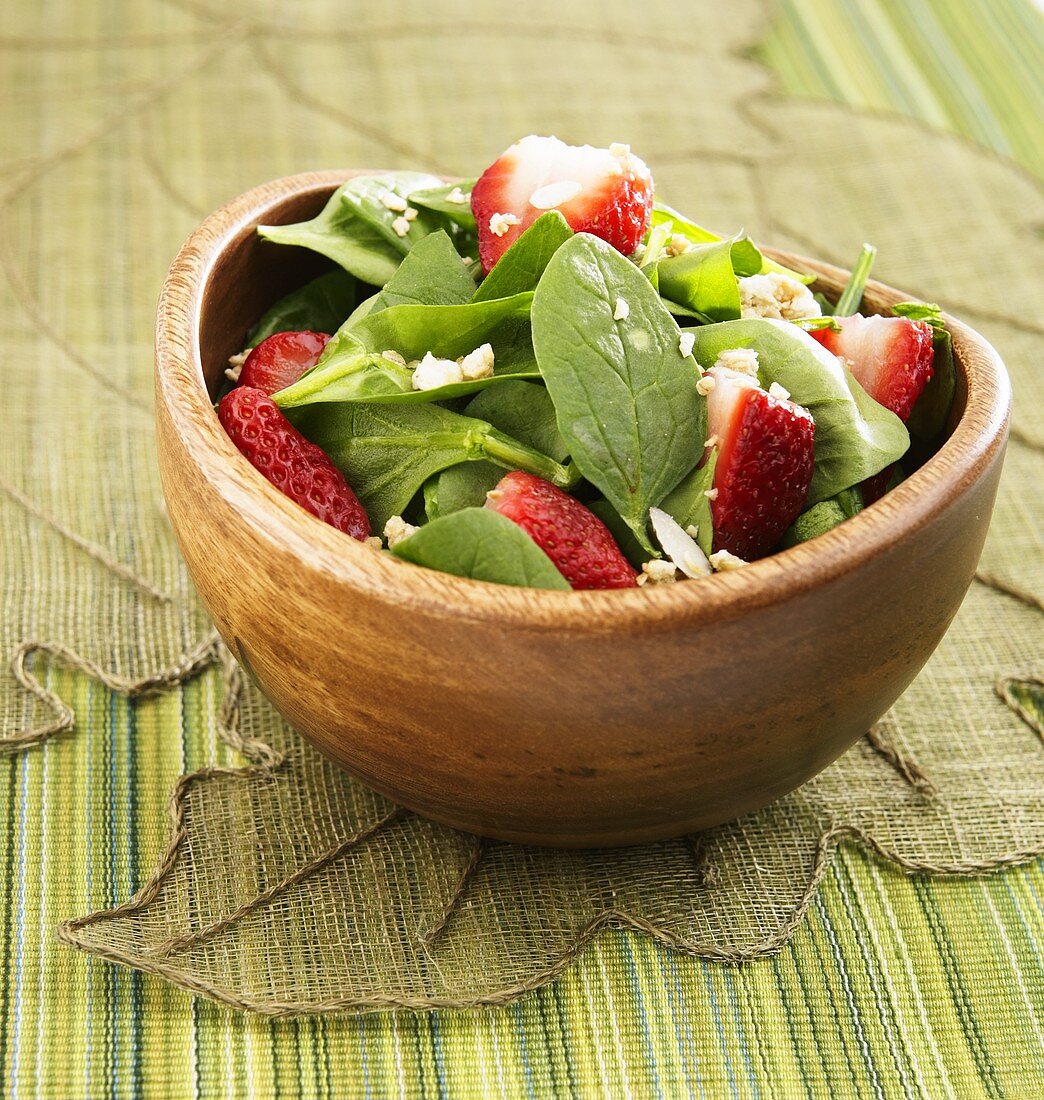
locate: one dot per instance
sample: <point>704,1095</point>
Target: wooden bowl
<point>570,719</point>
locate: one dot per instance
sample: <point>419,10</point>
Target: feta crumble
<point>393,357</point>
<point>478,364</point>
<point>397,529</point>
<point>777,296</point>
<point>742,360</point>
<point>457,196</point>
<point>711,494</point>
<point>499,224</point>
<point>678,245</point>
<point>430,373</point>
<point>401,226</point>
<point>554,194</point>
<point>686,342</point>
<point>723,561</point>
<point>410,213</point>
<point>712,441</point>
<point>235,365</point>
<point>621,311</point>
<point>658,571</point>
<point>780,393</point>
<point>374,543</point>
<point>705,385</point>
<point>391,201</point>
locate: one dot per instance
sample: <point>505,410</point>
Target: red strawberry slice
<point>605,192</point>
<point>891,358</point>
<point>573,537</point>
<point>280,360</point>
<point>296,467</point>
<point>765,460</point>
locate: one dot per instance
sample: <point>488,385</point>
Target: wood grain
<point>570,719</point>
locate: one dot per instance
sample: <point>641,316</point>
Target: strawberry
<point>764,467</point>
<point>605,192</point>
<point>891,358</point>
<point>572,536</point>
<point>280,360</point>
<point>296,467</point>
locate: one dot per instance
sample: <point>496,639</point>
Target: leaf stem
<point>852,295</point>
<point>513,455</point>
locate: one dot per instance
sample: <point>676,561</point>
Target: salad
<point>547,377</point>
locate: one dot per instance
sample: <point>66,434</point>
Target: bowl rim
<point>181,396</point>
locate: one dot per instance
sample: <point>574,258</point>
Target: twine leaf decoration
<point>288,887</point>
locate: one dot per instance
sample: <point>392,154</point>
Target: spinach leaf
<point>387,452</point>
<point>434,199</point>
<point>319,306</point>
<point>702,280</point>
<point>855,436</point>
<point>819,519</point>
<point>352,367</point>
<point>519,409</point>
<point>625,396</point>
<point>632,549</point>
<point>931,411</point>
<point>520,268</point>
<point>484,545</point>
<point>744,248</point>
<point>354,229</point>
<point>852,296</point>
<point>689,505</point>
<point>431,275</point>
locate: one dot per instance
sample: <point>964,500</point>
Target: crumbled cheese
<point>692,531</point>
<point>397,529</point>
<point>712,441</point>
<point>469,260</point>
<point>478,364</point>
<point>705,385</point>
<point>778,296</point>
<point>723,561</point>
<point>686,342</point>
<point>499,224</point>
<point>391,201</point>
<point>658,571</point>
<point>554,194</point>
<point>678,245</point>
<point>393,357</point>
<point>711,494</point>
<point>780,393</point>
<point>457,196</point>
<point>621,311</point>
<point>374,543</point>
<point>235,365</point>
<point>742,360</point>
<point>430,373</point>
<point>401,226</point>
<point>410,213</point>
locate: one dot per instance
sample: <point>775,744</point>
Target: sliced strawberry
<point>572,536</point>
<point>280,360</point>
<point>296,467</point>
<point>891,358</point>
<point>764,467</point>
<point>605,192</point>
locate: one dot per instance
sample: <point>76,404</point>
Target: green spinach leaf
<point>689,505</point>
<point>434,199</point>
<point>702,280</point>
<point>855,436</point>
<point>387,452</point>
<point>463,486</point>
<point>520,268</point>
<point>819,519</point>
<point>625,396</point>
<point>431,275</point>
<point>354,229</point>
<point>484,545</point>
<point>319,306</point>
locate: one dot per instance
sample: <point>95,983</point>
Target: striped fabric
<point>893,987</point>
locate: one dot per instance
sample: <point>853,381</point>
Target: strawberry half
<point>280,360</point>
<point>605,192</point>
<point>892,359</point>
<point>297,468</point>
<point>764,467</point>
<point>572,536</point>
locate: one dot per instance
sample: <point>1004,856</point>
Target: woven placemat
<point>288,887</point>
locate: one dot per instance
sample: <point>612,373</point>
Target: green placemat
<point>131,123</point>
